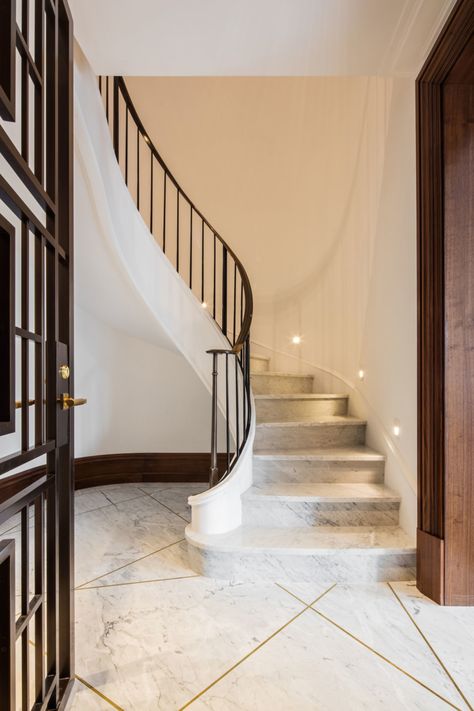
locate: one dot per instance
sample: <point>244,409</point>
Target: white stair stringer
<point>144,292</point>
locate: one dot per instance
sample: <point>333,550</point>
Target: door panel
<point>36,302</point>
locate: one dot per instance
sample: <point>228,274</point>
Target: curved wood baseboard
<point>104,469</point>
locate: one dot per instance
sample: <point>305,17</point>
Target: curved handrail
<point>130,140</point>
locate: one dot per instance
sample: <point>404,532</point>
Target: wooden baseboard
<point>104,469</point>
<point>430,566</point>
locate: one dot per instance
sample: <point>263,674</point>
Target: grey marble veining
<point>311,665</point>
<point>293,408</point>
<point>449,630</point>
<point>273,512</point>
<point>154,646</point>
<point>312,466</point>
<point>326,432</point>
<point>140,525</point>
<point>280,383</point>
<point>175,496</point>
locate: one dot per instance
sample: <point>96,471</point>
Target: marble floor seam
<point>381,656</point>
<point>431,648</point>
<point>244,658</point>
<point>121,567</point>
<point>137,582</point>
<point>99,693</point>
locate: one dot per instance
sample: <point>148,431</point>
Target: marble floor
<point>152,635</point>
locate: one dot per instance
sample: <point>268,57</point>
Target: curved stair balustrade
<point>202,258</point>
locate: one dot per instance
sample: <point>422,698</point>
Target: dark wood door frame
<point>445,545</point>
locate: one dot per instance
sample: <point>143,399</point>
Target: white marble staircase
<point>318,508</point>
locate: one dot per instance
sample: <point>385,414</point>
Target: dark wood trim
<point>104,469</point>
<point>7,65</point>
<point>454,38</point>
<point>7,327</point>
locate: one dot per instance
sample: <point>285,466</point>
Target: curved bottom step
<point>326,554</point>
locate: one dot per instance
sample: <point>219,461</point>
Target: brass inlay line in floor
<point>99,693</point>
<point>121,567</point>
<point>109,503</point>
<point>385,659</point>
<point>431,648</point>
<point>139,582</point>
<point>259,646</point>
<point>167,507</point>
<point>302,601</point>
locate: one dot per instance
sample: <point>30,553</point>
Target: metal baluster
<point>151,191</point>
<point>126,147</point>
<point>227,435</point>
<point>224,290</point>
<point>202,262</point>
<point>177,231</point>
<point>237,414</point>
<point>138,169</point>
<point>214,288</point>
<point>107,98</point>
<point>190,246</point>
<point>164,214</point>
<point>116,118</point>
<point>235,302</point>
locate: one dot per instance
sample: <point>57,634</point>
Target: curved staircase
<point>318,508</point>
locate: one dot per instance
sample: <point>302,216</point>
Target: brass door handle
<point>66,401</point>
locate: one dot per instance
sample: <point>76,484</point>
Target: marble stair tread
<point>335,454</point>
<point>323,540</point>
<point>301,396</point>
<point>323,493</point>
<point>323,421</point>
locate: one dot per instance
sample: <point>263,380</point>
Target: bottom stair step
<point>327,554</point>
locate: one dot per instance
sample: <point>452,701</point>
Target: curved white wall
<point>139,319</point>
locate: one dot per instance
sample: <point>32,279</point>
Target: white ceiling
<point>257,37</point>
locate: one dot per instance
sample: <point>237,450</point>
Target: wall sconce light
<point>396,428</point>
<point>296,340</point>
<point>361,374</point>
<point>204,305</point>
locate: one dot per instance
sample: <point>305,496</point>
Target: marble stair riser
<point>283,514</point>
<point>259,365</point>
<point>308,436</point>
<point>339,566</point>
<point>268,470</point>
<point>304,410</point>
<point>267,384</point>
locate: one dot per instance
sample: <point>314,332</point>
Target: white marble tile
<point>84,699</point>
<point>449,630</point>
<point>373,614</point>
<point>313,666</point>
<point>116,535</point>
<point>116,493</point>
<point>175,496</point>
<point>89,499</point>
<point>154,646</point>
<point>172,562</point>
<point>307,592</point>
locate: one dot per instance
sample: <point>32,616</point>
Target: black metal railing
<point>201,257</point>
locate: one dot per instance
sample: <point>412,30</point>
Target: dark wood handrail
<point>112,94</point>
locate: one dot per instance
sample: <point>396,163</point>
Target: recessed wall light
<point>361,374</point>
<point>296,340</point>
<point>396,428</point>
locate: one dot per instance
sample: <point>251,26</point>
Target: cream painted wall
<point>141,398</point>
<point>312,181</point>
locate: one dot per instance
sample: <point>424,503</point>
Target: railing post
<point>7,625</point>
<point>214,478</point>
<point>224,291</point>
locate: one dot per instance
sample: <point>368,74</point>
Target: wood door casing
<point>445,545</point>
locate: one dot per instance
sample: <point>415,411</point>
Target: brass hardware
<point>66,401</point>
<point>19,404</point>
<point>64,372</point>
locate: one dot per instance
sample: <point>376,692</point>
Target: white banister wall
<point>124,280</point>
